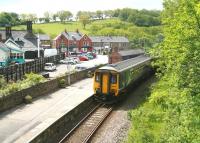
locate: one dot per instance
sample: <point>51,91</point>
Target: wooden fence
<point>17,71</point>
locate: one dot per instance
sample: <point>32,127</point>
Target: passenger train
<point>112,81</point>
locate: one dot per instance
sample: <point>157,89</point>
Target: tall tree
<point>54,17</point>
<point>47,17</point>
<point>175,99</point>
<point>84,19</point>
<point>64,15</point>
<point>99,14</point>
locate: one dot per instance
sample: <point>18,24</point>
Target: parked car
<point>76,59</point>
<point>83,58</point>
<point>49,67</point>
<point>93,54</point>
<point>70,63</point>
<point>80,67</point>
<point>67,60</point>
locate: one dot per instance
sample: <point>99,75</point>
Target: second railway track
<point>86,128</point>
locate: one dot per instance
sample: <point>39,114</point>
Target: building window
<point>62,44</point>
<point>85,38</point>
<point>84,43</point>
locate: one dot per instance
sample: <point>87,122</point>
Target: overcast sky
<point>40,6</point>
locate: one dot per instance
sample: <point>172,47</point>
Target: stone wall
<point>41,89</point>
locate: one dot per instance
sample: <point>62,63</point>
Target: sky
<point>40,6</point>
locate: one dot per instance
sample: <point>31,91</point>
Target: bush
<point>11,87</point>
<point>62,83</point>
<point>28,99</point>
<point>2,82</point>
<point>90,74</point>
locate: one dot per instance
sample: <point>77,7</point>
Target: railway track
<point>86,128</point>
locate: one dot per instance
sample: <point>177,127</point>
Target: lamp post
<point>38,42</point>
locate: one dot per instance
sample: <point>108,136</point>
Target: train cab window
<point>97,77</point>
<point>113,79</point>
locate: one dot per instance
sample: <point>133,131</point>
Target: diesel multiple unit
<point>112,81</point>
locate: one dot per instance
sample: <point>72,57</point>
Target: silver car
<point>49,67</point>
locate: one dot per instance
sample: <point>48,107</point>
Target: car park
<point>49,67</point>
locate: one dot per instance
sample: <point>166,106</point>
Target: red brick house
<point>74,41</point>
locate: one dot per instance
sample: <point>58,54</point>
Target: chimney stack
<point>1,38</point>
<point>115,49</point>
<point>29,27</point>
<point>65,30</point>
<point>8,31</point>
<point>77,30</point>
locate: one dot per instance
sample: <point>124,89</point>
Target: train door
<point>105,83</point>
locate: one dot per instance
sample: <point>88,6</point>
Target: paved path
<point>25,121</point>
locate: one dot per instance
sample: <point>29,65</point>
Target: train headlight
<point>98,90</point>
<point>113,90</point>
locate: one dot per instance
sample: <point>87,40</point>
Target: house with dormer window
<point>27,40</point>
<point>72,41</point>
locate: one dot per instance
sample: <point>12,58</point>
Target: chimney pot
<point>8,31</point>
<point>1,38</point>
<point>65,30</point>
<point>29,27</point>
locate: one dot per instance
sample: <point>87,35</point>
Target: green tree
<point>84,19</point>
<point>47,17</point>
<point>54,17</point>
<point>64,15</point>
<point>99,14</point>
<point>172,113</point>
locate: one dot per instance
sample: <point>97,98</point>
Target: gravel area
<point>115,128</point>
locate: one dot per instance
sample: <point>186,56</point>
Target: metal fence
<point>17,71</point>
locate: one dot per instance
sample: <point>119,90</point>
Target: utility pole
<point>38,41</point>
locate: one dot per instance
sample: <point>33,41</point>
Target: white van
<point>50,52</point>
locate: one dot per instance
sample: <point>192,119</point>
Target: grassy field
<point>53,29</point>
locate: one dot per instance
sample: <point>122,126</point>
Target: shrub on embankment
<point>171,114</point>
<point>11,87</point>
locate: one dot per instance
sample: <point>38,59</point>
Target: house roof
<point>44,37</point>
<point>4,47</point>
<point>71,35</point>
<point>131,52</point>
<point>107,39</point>
<point>28,41</point>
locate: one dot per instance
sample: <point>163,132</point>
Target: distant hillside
<point>138,36</point>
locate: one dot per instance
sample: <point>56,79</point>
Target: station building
<point>26,40</point>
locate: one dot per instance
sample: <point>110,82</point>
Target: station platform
<point>23,122</point>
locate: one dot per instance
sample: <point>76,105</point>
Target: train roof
<point>120,66</point>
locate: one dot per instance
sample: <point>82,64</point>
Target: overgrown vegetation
<point>172,114</point>
<point>11,87</point>
<point>62,83</point>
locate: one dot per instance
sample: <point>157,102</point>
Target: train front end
<point>106,85</point>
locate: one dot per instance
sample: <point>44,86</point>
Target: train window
<point>113,79</point>
<point>97,77</point>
